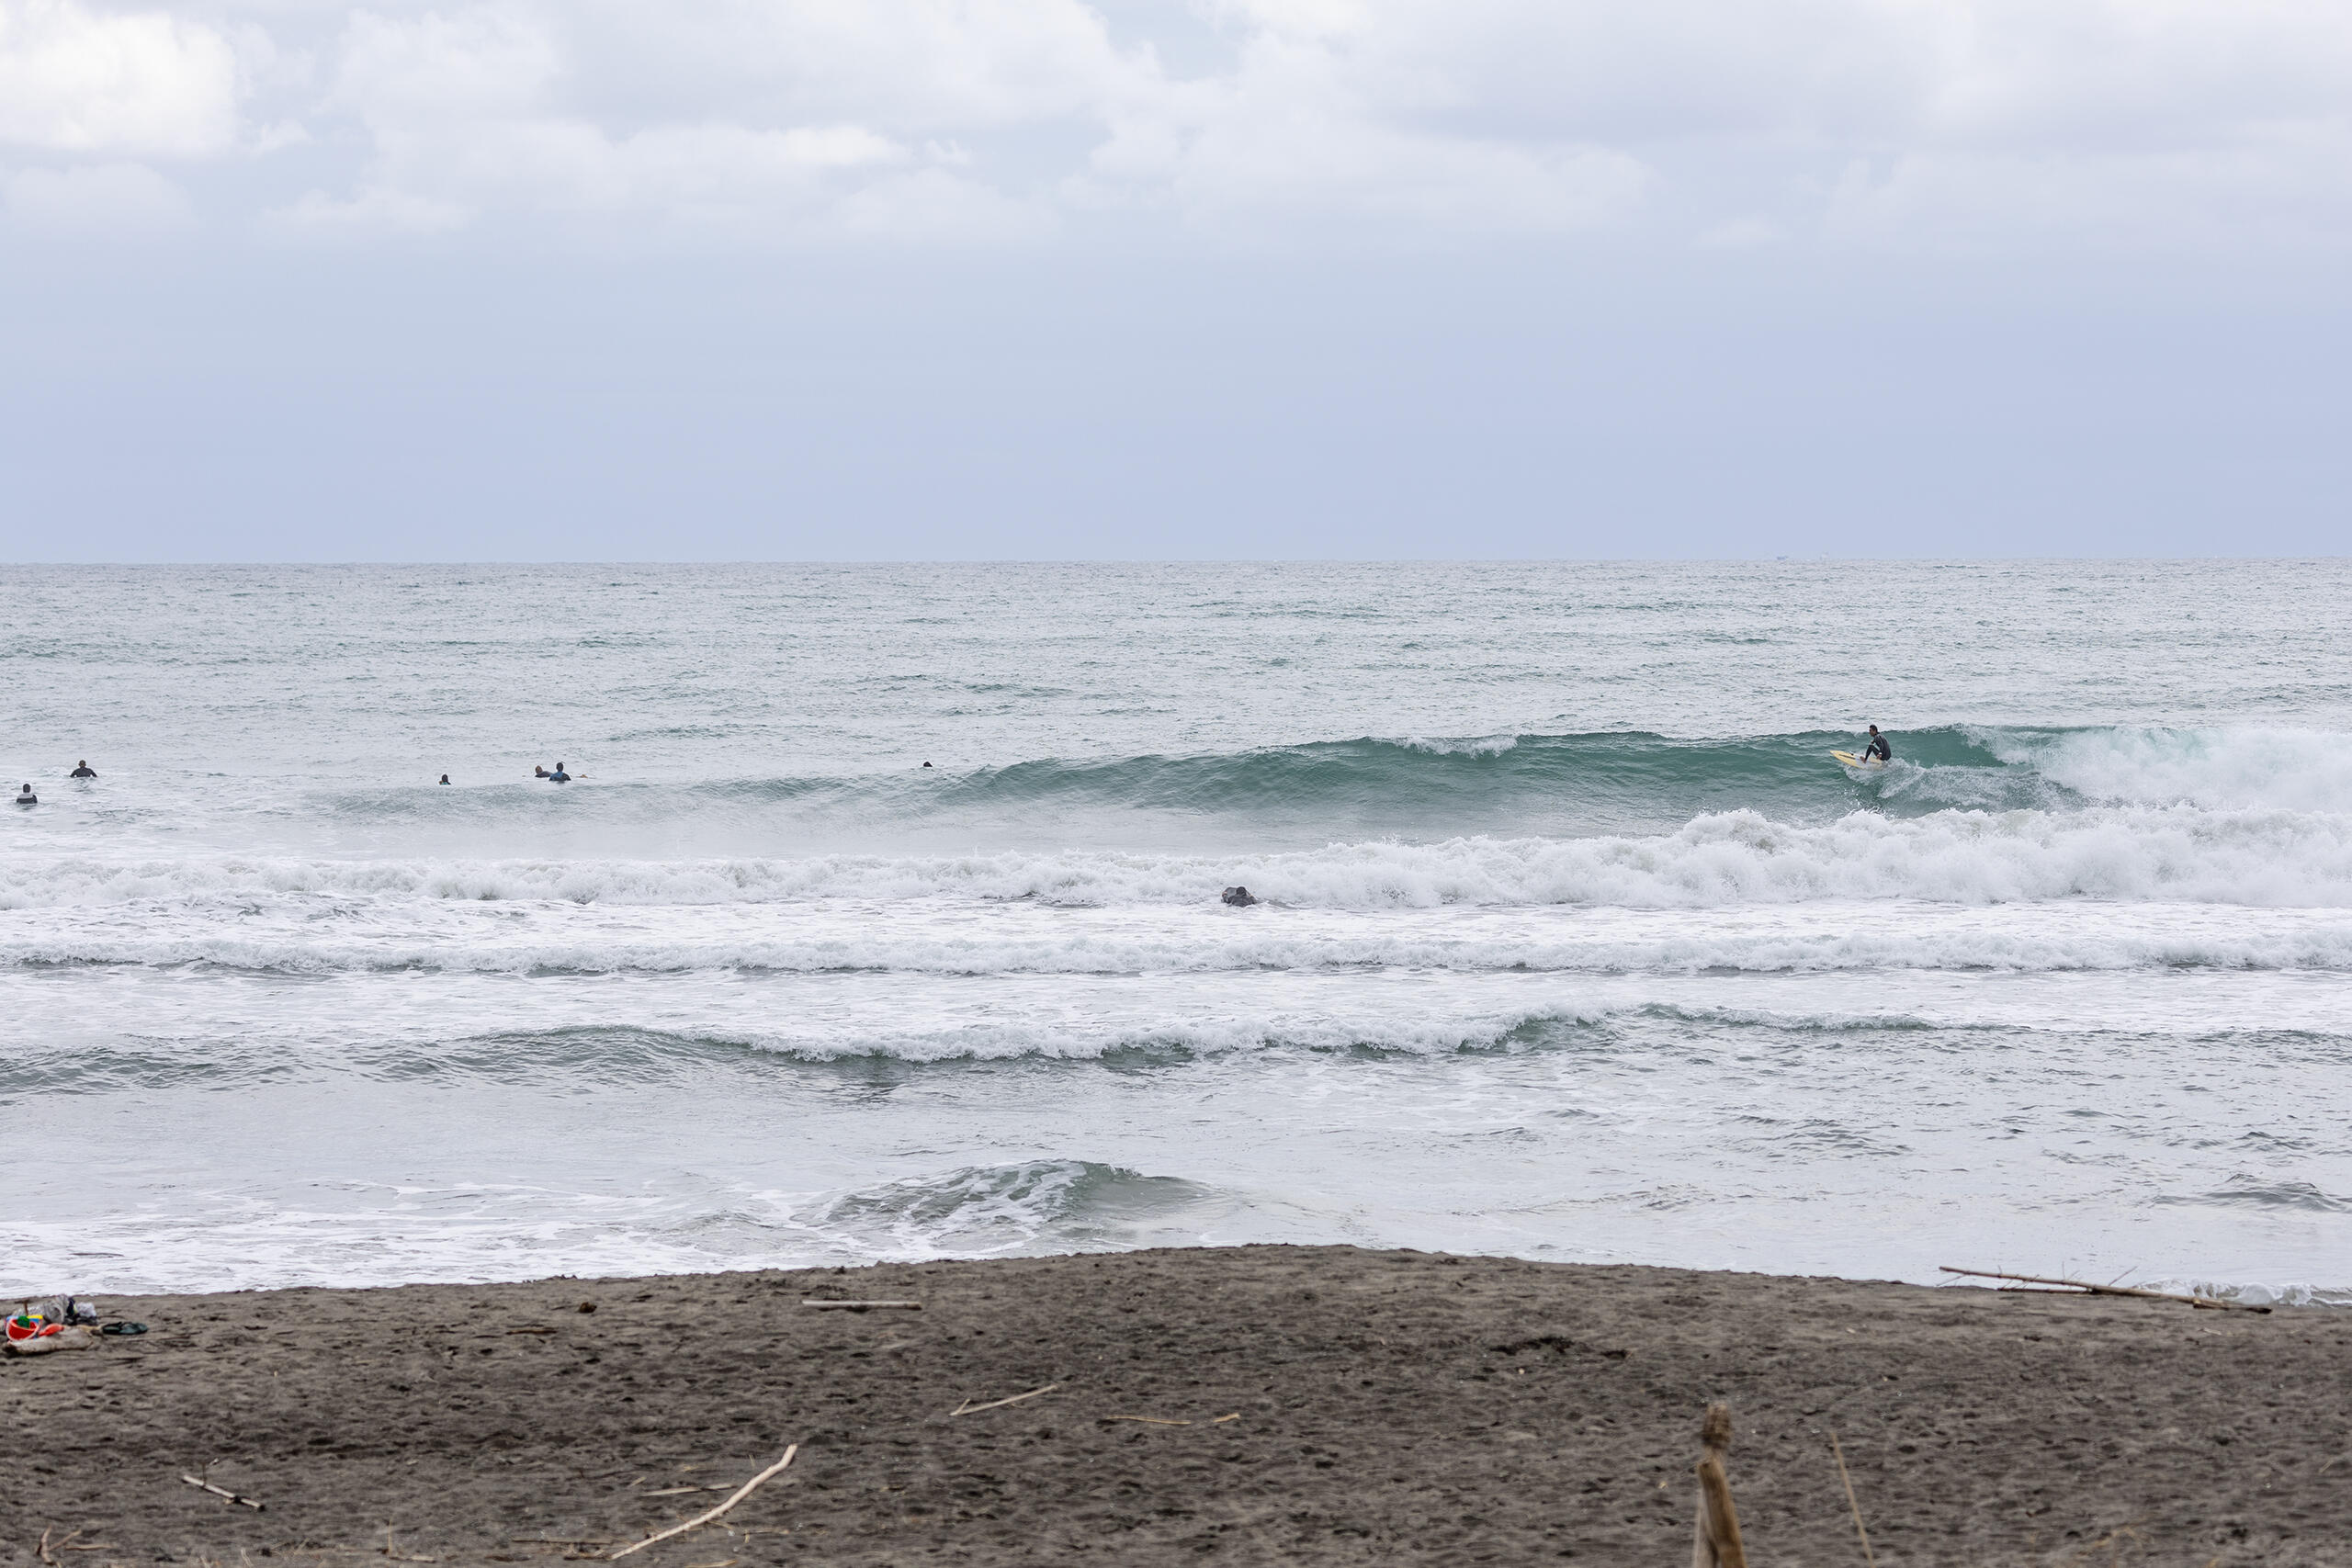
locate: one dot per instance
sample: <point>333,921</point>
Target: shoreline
<point>1246,1404</point>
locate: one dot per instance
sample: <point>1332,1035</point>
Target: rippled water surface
<point>1573,941</point>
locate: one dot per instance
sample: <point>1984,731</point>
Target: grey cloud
<point>476,278</point>
<point>1431,117</point>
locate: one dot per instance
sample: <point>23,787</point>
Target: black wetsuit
<point>83,773</point>
<point>1878,748</point>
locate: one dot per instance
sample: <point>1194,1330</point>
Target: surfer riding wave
<point>1877,753</point>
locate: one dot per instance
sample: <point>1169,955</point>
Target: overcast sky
<point>295,280</point>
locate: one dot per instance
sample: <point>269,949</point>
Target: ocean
<point>1572,943</point>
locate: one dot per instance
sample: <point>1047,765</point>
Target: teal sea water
<point>1573,942</point>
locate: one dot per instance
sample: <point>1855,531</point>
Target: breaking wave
<point>1602,780</point>
<point>1501,785</point>
<point>2220,855</point>
<point>1051,1206</point>
<point>2041,947</point>
<point>582,1058</point>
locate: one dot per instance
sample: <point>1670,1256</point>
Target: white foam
<point>1471,746</point>
<point>310,934</point>
<point>2268,857</point>
<point>2282,769</point>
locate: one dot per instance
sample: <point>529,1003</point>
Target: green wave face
<point>1607,779</point>
<point>1532,785</point>
<point>1518,784</point>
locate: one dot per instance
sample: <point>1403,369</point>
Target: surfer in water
<point>1877,750</point>
<point>25,796</point>
<point>81,770</point>
<point>559,776</point>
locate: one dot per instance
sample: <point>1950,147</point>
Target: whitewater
<point>1570,941</point>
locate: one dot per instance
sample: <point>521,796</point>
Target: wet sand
<point>1385,1407</point>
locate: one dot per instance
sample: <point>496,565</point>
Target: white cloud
<point>496,111</point>
<point>1975,121</point>
<point>915,66</point>
<point>718,111</point>
<point>77,80</point>
<point>2046,72</point>
<point>1297,134</point>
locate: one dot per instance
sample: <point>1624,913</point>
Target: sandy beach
<point>1259,1404</point>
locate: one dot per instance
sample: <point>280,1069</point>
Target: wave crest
<point>1060,1205</point>
<point>2174,853</point>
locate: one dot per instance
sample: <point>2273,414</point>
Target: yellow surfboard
<point>1849,759</point>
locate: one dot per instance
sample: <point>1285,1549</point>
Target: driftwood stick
<point>1868,1556</point>
<point>968,1408</point>
<point>2211,1302</point>
<point>696,1523</point>
<point>863,1306</point>
<point>220,1491</point>
<point>1722,1519</point>
<point>1718,1543</point>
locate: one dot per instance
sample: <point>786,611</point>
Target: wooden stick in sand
<point>219,1490</point>
<point>696,1523</point>
<point>1716,1543</point>
<point>968,1408</point>
<point>1868,1556</point>
<point>2215,1304</point>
